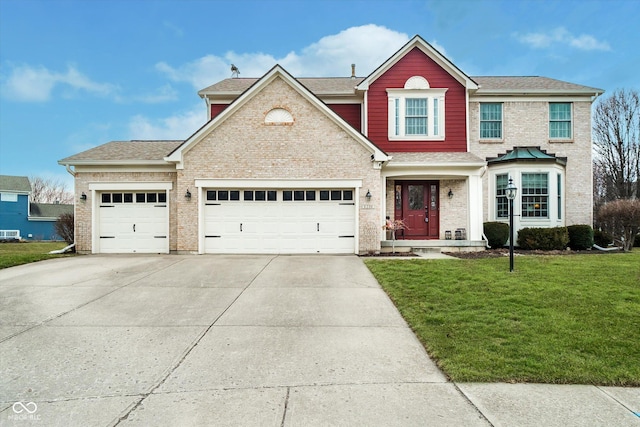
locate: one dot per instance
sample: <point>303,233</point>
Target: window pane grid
<point>560,120</point>
<point>535,195</point>
<point>416,116</point>
<point>502,203</point>
<point>491,120</point>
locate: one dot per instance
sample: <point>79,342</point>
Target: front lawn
<point>555,319</point>
<point>12,254</point>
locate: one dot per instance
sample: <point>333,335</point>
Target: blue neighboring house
<point>21,219</point>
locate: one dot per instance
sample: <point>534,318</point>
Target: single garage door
<point>279,221</point>
<point>133,222</point>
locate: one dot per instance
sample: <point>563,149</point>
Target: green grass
<point>12,254</point>
<point>555,319</point>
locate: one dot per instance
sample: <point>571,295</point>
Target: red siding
<point>217,109</point>
<point>416,63</point>
<point>351,113</point>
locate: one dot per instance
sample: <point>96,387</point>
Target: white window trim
<point>429,95</point>
<point>9,197</point>
<point>515,171</point>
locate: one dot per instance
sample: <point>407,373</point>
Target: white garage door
<point>279,221</point>
<point>133,222</point>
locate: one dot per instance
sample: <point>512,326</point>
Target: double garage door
<point>133,222</point>
<point>279,221</point>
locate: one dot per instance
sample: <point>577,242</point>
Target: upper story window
<point>416,112</point>
<point>491,120</point>
<point>560,126</point>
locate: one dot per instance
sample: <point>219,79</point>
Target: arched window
<point>278,116</point>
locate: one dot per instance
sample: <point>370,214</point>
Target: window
<point>416,116</point>
<point>490,120</point>
<point>535,195</point>
<point>8,197</point>
<point>416,112</point>
<point>560,120</point>
<point>502,203</point>
<point>559,196</point>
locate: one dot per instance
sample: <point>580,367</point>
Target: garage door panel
<point>279,226</point>
<point>133,228</point>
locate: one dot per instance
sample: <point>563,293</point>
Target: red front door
<point>418,205</point>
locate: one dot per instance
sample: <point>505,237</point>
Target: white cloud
<point>179,126</point>
<point>561,36</point>
<point>367,46</point>
<point>36,83</point>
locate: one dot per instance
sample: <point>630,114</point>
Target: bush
<point>64,227</point>
<point>602,238</point>
<point>497,233</point>
<point>546,239</point>
<point>580,237</point>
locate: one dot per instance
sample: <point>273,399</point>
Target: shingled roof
<point>16,184</point>
<point>124,151</point>
<point>346,85</point>
<point>529,84</point>
<point>319,85</point>
<point>49,210</point>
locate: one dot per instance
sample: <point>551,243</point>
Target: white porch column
<point>475,207</point>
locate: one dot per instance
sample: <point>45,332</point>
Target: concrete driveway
<point>221,340</point>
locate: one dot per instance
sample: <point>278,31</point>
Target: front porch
<point>433,245</point>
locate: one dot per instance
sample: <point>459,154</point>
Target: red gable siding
<point>416,63</point>
<point>217,109</point>
<point>349,112</point>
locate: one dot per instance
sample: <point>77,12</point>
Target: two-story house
<point>316,165</point>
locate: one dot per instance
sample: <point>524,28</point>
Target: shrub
<point>64,227</point>
<point>621,218</point>
<point>546,239</point>
<point>497,233</point>
<point>602,238</point>
<point>580,237</point>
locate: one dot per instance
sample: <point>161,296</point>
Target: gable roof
<point>529,85</point>
<point>431,52</point>
<point>16,184</point>
<point>124,152</point>
<point>49,210</point>
<point>276,72</point>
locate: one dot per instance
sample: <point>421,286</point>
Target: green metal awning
<point>527,154</point>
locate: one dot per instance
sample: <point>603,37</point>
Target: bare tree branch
<point>616,131</point>
<point>49,190</point>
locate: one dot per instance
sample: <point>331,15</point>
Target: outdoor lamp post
<point>511,191</point>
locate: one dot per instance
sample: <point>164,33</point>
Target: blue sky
<point>77,74</point>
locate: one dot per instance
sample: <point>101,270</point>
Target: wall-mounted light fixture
<point>450,194</point>
<point>187,195</point>
<point>83,196</point>
<point>368,196</point>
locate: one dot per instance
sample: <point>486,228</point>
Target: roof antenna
<point>234,72</point>
<point>353,71</point>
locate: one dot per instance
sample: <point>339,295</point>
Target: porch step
<point>427,250</point>
<point>434,246</point>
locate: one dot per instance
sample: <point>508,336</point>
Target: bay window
<point>535,195</point>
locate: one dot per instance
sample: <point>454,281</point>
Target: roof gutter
<point>68,168</point>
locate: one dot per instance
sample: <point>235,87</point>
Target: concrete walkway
<point>242,340</point>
